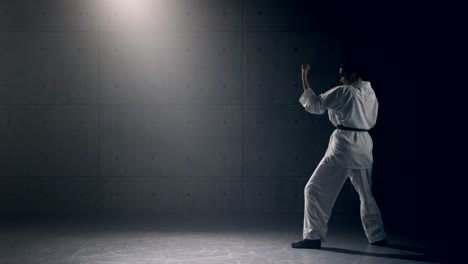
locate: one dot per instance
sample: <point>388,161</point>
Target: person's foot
<point>380,243</point>
<point>307,243</point>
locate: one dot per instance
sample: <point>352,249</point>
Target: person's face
<point>344,78</point>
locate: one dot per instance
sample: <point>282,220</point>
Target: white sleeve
<point>309,100</point>
<point>319,104</point>
<point>306,97</point>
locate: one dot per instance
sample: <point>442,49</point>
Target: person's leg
<point>370,214</point>
<point>320,194</point>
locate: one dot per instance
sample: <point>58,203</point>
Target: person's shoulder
<point>340,91</point>
<point>363,85</point>
<point>338,87</point>
<point>368,87</point>
<point>343,89</point>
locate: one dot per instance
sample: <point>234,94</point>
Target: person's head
<point>349,73</point>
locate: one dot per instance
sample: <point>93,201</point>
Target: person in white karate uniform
<point>352,109</point>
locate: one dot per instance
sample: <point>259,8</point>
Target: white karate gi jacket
<point>353,106</point>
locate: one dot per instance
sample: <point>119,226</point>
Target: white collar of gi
<point>360,84</point>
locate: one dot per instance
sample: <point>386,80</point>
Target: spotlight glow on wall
<point>136,15</point>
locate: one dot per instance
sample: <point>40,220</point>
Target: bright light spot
<point>139,15</point>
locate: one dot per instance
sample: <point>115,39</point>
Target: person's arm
<point>317,104</point>
<point>305,70</point>
<point>308,98</point>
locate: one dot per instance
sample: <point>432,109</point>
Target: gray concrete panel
<point>283,141</point>
<point>205,68</point>
<point>71,196</point>
<point>48,15</point>
<point>49,141</point>
<point>273,195</point>
<point>171,141</point>
<point>263,15</point>
<point>48,68</point>
<point>272,65</point>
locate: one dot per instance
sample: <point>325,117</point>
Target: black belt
<point>350,128</point>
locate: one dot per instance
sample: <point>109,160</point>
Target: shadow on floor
<point>414,253</point>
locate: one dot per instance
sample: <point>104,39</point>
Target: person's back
<point>357,109</point>
<point>352,109</point>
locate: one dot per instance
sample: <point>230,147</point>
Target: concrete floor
<point>183,239</point>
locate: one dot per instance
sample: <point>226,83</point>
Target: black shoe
<point>380,243</point>
<point>307,243</point>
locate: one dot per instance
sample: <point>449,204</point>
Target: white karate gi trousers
<point>320,195</point>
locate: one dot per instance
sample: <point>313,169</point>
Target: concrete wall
<point>162,106</point>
